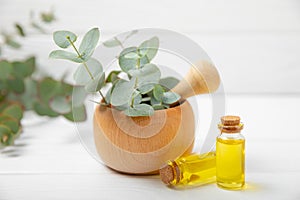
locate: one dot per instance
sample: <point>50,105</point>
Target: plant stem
<point>86,67</point>
<point>80,56</point>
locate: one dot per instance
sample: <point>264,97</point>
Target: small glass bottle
<point>192,170</point>
<point>230,154</point>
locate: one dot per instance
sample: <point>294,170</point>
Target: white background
<point>255,44</point>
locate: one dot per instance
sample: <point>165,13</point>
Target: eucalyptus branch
<point>85,66</point>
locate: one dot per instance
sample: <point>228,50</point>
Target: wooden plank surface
<point>258,40</point>
<point>49,162</point>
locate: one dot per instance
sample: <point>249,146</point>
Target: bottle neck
<point>236,135</point>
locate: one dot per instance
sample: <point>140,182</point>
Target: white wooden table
<point>49,162</point>
<point>255,45</point>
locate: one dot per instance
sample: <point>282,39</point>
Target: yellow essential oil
<point>230,154</point>
<point>195,169</point>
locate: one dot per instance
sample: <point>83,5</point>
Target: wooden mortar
<point>141,145</point>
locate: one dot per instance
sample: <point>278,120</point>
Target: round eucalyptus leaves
<point>140,93</point>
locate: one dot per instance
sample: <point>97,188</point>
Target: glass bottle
<point>192,170</point>
<point>230,154</point>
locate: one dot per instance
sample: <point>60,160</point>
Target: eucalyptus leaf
<point>168,82</point>
<point>170,97</point>
<point>158,107</point>
<point>154,101</point>
<point>60,104</point>
<point>144,89</point>
<point>113,76</point>
<point>112,43</point>
<point>12,43</point>
<point>65,55</point>
<point>78,96</point>
<point>89,43</point>
<point>139,110</point>
<point>14,110</point>
<point>6,69</point>
<point>20,30</point>
<point>12,124</point>
<point>122,107</point>
<point>137,97</point>
<point>149,74</point>
<point>149,48</point>
<point>122,92</point>
<point>24,69</point>
<point>132,55</point>
<point>6,135</point>
<point>158,92</point>
<point>29,96</point>
<point>81,75</point>
<point>77,114</point>
<point>47,88</point>
<point>63,38</point>
<point>127,64</point>
<point>16,85</point>
<point>44,110</point>
<point>96,84</point>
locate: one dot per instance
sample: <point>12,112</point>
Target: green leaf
<point>149,74</point>
<point>12,124</point>
<point>63,38</point>
<point>132,55</point>
<point>44,110</point>
<point>96,84</point>
<point>122,92</point>
<point>6,69</point>
<point>60,104</point>
<point>14,110</point>
<point>168,82</point>
<point>16,85</point>
<point>78,114</point>
<point>137,97</point>
<point>48,88</point>
<point>29,96</point>
<point>24,69</point>
<point>47,17</point>
<point>6,136</point>
<point>12,43</point>
<point>113,76</point>
<point>127,64</point>
<point>170,97</point>
<point>65,55</point>
<point>108,95</point>
<point>144,89</point>
<point>112,43</point>
<point>81,75</point>
<point>20,30</point>
<point>122,107</point>
<point>149,48</point>
<point>158,92</point>
<point>139,110</point>
<point>78,96</point>
<point>158,107</point>
<point>89,43</point>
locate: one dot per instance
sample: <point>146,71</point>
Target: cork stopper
<point>170,173</point>
<point>230,124</point>
<point>230,120</point>
<point>166,174</point>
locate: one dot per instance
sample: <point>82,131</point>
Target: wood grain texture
<point>202,78</point>
<point>141,145</point>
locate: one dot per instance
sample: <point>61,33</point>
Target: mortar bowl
<point>141,145</point>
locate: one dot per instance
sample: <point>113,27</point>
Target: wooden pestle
<point>202,78</point>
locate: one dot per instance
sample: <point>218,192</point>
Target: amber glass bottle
<point>230,154</point>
